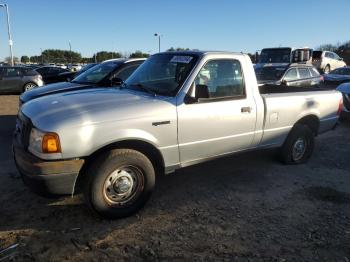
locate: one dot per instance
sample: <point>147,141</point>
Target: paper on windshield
<point>181,59</point>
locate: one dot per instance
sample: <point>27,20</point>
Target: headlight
<point>43,142</point>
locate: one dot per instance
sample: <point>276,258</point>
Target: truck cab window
<point>222,78</point>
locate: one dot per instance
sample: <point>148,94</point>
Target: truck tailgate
<point>283,110</point>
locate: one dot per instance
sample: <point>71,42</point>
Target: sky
<point>129,25</point>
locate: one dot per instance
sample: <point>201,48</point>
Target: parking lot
<point>244,207</point>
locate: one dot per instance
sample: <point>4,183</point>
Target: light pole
<point>70,52</point>
<point>8,30</point>
<point>159,35</point>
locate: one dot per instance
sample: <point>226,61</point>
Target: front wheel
<point>29,86</point>
<point>299,145</point>
<point>119,183</point>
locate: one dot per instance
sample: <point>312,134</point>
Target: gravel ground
<point>246,207</point>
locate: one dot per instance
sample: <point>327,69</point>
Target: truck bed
<point>273,89</point>
<point>284,106</point>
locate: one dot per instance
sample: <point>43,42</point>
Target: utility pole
<point>8,31</point>
<point>158,35</point>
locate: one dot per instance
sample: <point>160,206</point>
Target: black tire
<point>327,69</point>
<point>100,189</point>
<point>291,151</point>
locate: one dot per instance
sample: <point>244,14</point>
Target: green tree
<point>24,59</point>
<point>172,49</point>
<point>105,55</point>
<point>60,56</point>
<point>138,54</point>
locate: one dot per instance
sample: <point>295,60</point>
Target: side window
<point>12,72</point>
<point>291,75</point>
<point>314,72</point>
<point>335,56</point>
<point>304,73</point>
<point>221,78</point>
<point>330,55</point>
<point>126,72</point>
<point>43,70</point>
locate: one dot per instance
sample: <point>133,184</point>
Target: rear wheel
<point>119,183</point>
<point>327,69</point>
<point>29,86</point>
<point>298,146</point>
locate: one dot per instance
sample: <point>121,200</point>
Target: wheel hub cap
<point>122,185</point>
<point>299,149</point>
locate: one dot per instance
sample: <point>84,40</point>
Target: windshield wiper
<point>144,88</point>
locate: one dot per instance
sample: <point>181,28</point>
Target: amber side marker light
<point>51,143</point>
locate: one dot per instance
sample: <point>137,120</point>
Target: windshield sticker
<point>181,59</point>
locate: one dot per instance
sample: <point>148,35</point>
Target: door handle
<point>246,109</point>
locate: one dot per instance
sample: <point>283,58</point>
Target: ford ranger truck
<point>177,109</point>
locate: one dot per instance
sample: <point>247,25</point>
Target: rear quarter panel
<point>284,110</point>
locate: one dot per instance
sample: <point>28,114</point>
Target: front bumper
<point>46,177</point>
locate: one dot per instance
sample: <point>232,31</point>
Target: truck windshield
<point>162,74</point>
<point>269,73</point>
<point>275,55</point>
<point>96,74</point>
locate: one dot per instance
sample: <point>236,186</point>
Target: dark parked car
<point>18,79</point>
<point>108,73</point>
<point>337,76</point>
<point>344,88</point>
<point>68,76</point>
<point>51,74</point>
<point>301,75</point>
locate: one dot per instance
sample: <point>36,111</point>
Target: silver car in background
<point>18,80</point>
<point>326,61</point>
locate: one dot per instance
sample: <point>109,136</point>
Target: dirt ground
<point>246,207</point>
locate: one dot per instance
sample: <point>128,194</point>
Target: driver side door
<point>223,120</point>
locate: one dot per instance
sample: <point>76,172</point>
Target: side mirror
<point>202,92</point>
<point>116,81</point>
<point>196,94</point>
<point>341,59</point>
<point>285,82</point>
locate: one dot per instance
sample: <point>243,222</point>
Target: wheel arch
<point>146,148</point>
<point>311,121</point>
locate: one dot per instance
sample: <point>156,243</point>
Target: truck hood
<point>51,89</point>
<point>92,106</point>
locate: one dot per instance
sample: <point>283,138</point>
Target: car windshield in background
<point>270,73</point>
<point>162,74</point>
<point>316,54</point>
<point>96,74</point>
<point>341,71</point>
<point>281,55</point>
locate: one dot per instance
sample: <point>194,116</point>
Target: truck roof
<point>200,52</point>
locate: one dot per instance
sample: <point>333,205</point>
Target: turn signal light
<point>51,143</point>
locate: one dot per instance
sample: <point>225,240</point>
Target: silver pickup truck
<point>177,109</point>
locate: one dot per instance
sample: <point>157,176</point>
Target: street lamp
<point>158,35</point>
<point>8,30</point>
<point>70,52</point>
